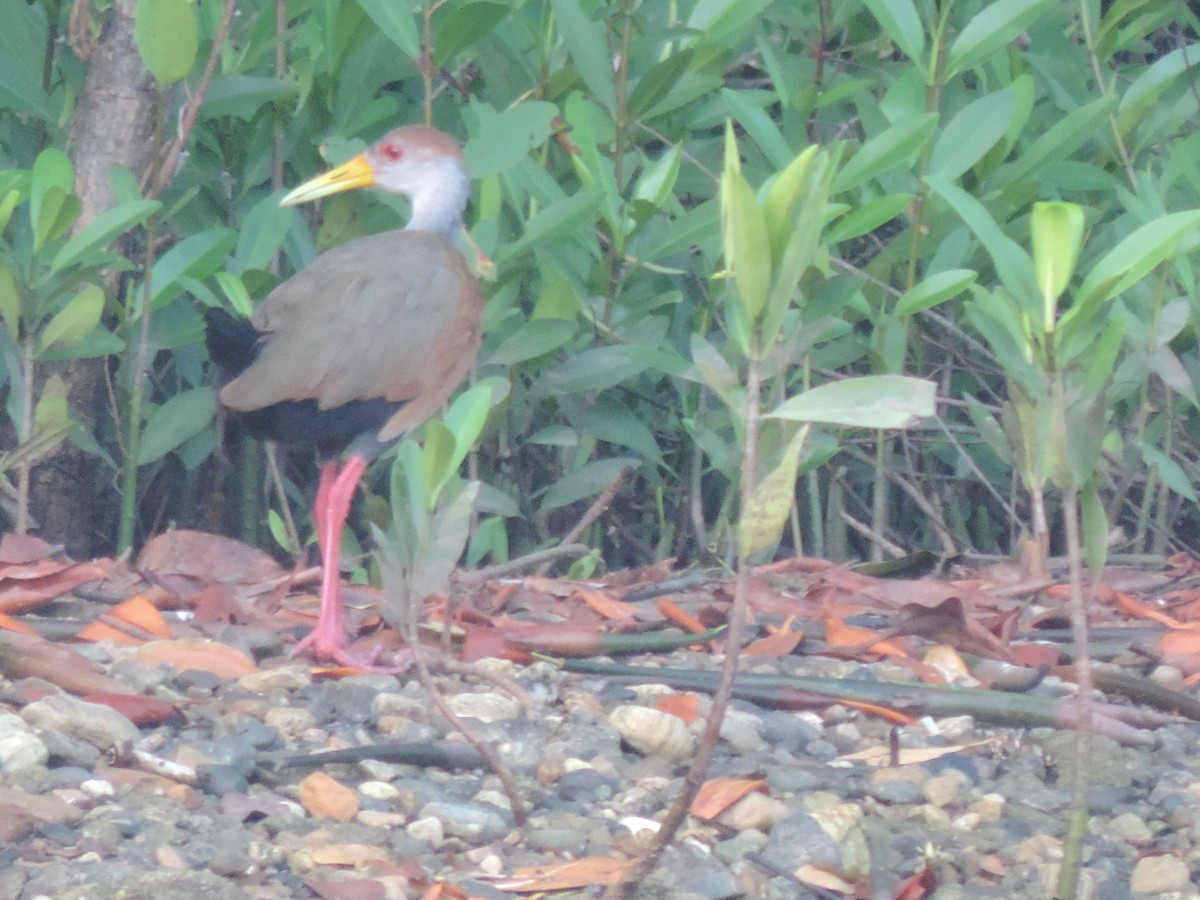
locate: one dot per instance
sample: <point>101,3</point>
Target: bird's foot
<point>333,649</point>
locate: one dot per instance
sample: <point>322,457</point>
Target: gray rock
<point>93,723</point>
<point>475,823</point>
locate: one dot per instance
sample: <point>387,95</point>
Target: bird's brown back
<point>395,315</point>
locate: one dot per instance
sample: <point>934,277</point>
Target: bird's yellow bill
<point>353,174</point>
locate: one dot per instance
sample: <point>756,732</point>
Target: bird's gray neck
<point>439,207</point>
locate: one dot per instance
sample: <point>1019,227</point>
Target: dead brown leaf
<point>201,558</point>
<point>30,585</point>
<point>19,549</point>
<point>30,656</point>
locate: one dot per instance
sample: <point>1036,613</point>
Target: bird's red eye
<point>391,151</point>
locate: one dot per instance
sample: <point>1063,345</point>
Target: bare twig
<point>528,561</point>
<point>698,770</point>
<point>593,513</point>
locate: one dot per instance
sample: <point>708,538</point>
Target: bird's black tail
<point>232,342</point>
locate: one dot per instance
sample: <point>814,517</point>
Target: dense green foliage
<point>595,132</point>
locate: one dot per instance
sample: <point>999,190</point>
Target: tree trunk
<point>73,496</point>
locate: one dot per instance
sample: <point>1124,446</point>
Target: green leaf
<point>244,96</point>
<point>505,138</point>
<point>782,197</point>
<point>196,256</point>
<point>397,21</point>
<point>991,29</point>
<point>615,423</point>
<point>969,136</point>
<point>872,401</point>
<point>261,234</point>
<point>759,125</point>
<point>1171,473</point>
<point>437,449</point>
<point>449,530</point>
<point>464,421</point>
<point>1139,98</point>
<point>182,417</point>
<point>899,18</point>
<point>587,47</point>
<point>865,219</point>
<point>933,290</point>
<point>10,300</point>
<point>891,148</point>
<point>8,202</point>
<point>747,249</point>
<point>52,412</point>
<point>278,530</point>
<point>74,321</point>
<point>1131,259</point>
<point>96,343</point>
<point>658,178</point>
<point>715,371</point>
<point>766,513</point>
<point>718,20</point>
<point>167,33</point>
<point>1012,263</point>
<point>657,83</point>
<point>1058,142</point>
<point>464,26</point>
<point>535,338</point>
<point>235,292</point>
<point>50,209</point>
<point>599,368</point>
<point>989,429</point>
<point>102,230</point>
<point>22,43</point>
<point>560,217</point>
<point>1056,233</point>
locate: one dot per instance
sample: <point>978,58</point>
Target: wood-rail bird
<point>363,344</point>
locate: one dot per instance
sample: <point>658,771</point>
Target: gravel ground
<point>79,818</point>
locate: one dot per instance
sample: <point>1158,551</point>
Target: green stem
<point>23,437</point>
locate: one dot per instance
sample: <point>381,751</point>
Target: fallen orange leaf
<point>718,794</point>
<point>95,632</point>
<point>674,613</point>
<point>884,712</point>
<point>1131,606</point>
<point>683,706</point>
<point>196,653</point>
<point>1181,649</point>
<point>839,634</point>
<point>602,603</point>
<point>781,642</point>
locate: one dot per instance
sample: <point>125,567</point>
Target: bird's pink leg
<point>335,491</point>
